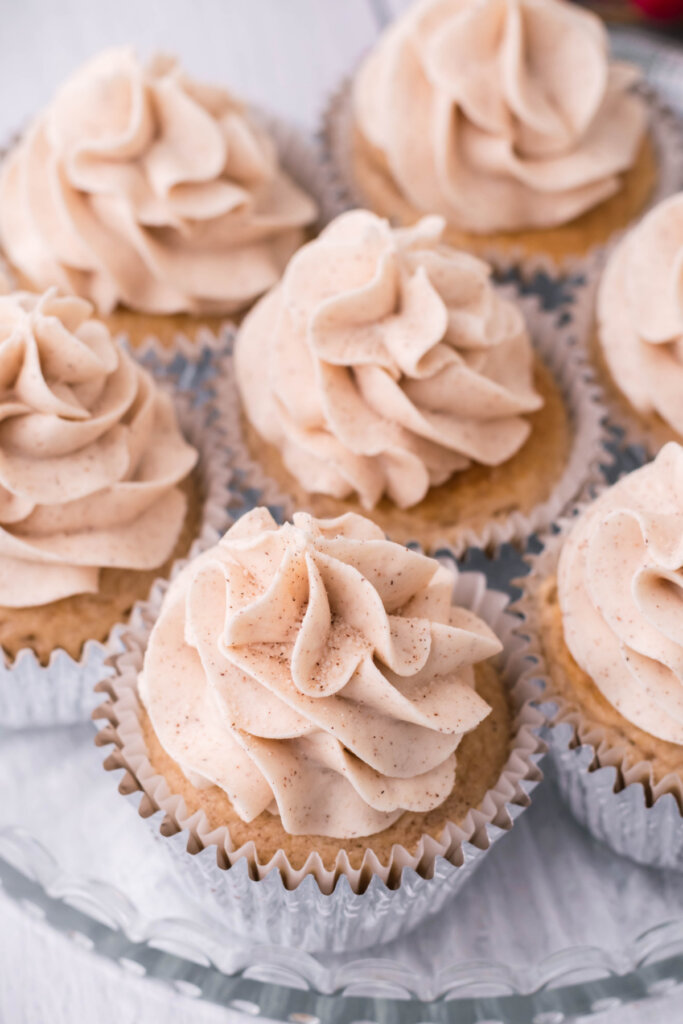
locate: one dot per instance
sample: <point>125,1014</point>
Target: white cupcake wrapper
<point>314,907</point>
<point>667,134</point>
<point>62,692</point>
<point>559,339</point>
<point>607,790</point>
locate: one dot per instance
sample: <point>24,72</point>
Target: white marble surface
<point>283,54</point>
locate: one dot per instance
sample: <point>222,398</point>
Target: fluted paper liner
<point>607,789</point>
<point>667,135</point>
<point>315,907</point>
<point>559,339</point>
<point>61,692</point>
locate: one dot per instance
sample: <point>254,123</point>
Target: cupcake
<point>315,701</point>
<point>386,373</point>
<point>639,341</point>
<point>507,119</point>
<point>158,199</point>
<point>100,493</point>
<point>605,601</point>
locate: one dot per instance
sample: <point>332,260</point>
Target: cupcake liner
<point>666,131</point>
<point>608,790</point>
<point>559,339</point>
<point>314,907</point>
<point>61,692</point>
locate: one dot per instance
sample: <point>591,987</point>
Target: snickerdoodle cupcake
<point>507,119</point>
<point>639,333</point>
<point>314,702</point>
<point>387,373</point>
<point>158,198</point>
<point>604,606</point>
<point>100,494</point>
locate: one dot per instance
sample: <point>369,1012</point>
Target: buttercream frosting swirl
<point>317,671</point>
<point>141,187</point>
<point>620,585</point>
<point>640,312</point>
<point>90,454</point>
<point>500,115</point>
<point>384,362</point>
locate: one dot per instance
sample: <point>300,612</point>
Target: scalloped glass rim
<point>286,984</point>
<point>574,982</point>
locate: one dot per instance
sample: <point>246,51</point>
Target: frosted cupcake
<point>387,373</point>
<point>508,119</point>
<point>99,491</point>
<point>605,600</point>
<point>155,197</point>
<point>315,701</point>
<point>640,326</point>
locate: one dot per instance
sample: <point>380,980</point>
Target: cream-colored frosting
<point>640,313</point>
<point>620,583</point>
<point>317,671</point>
<point>385,361</point>
<point>90,454</point>
<point>500,115</point>
<point>140,187</point>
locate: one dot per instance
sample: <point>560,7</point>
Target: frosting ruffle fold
<point>142,188</point>
<point>384,362</point>
<point>620,585</point>
<point>90,454</point>
<point>640,313</point>
<point>500,115</point>
<point>317,671</point>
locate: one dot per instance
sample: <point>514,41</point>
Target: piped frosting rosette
<point>385,362</point>
<point>93,452</point>
<point>640,317</point>
<point>620,587</point>
<point>619,568</point>
<point>140,187</point>
<point>320,672</point>
<point>322,677</point>
<point>501,115</point>
<point>90,454</point>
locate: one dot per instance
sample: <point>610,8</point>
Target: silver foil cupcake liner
<point>558,338</point>
<point>315,907</point>
<point>667,135</point>
<point>62,692</point>
<point>612,793</point>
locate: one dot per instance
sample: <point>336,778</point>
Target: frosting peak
<point>620,582</point>
<point>384,362</point>
<point>141,187</point>
<point>500,114</point>
<point>640,311</point>
<point>90,454</point>
<point>319,671</point>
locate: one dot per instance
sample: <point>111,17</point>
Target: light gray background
<point>285,55</point>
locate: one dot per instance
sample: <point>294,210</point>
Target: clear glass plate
<point>551,925</point>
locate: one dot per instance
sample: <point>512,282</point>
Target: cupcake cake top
<point>640,313</point>
<point>620,585</point>
<point>140,187</point>
<point>90,454</point>
<point>385,361</point>
<point>500,115</point>
<point>316,671</point>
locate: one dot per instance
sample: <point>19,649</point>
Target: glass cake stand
<point>551,925</point>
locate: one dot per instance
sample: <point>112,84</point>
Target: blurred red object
<point>663,10</point>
